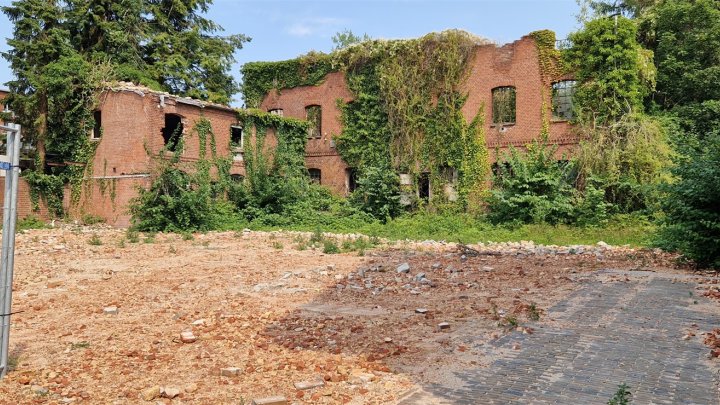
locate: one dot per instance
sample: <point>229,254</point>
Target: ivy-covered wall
<point>419,106</point>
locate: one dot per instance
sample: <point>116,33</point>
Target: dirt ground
<point>267,315</point>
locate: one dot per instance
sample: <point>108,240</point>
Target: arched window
<point>503,105</point>
<point>173,131</point>
<point>315,176</point>
<point>562,95</point>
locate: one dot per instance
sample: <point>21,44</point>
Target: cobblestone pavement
<point>604,334</point>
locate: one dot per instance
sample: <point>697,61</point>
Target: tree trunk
<point>41,131</point>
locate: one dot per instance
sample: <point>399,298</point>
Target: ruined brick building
<point>509,74</point>
<point>133,124</point>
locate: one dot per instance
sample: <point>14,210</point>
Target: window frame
<point>96,132</point>
<point>166,141</point>
<point>495,102</point>
<point>314,131</point>
<point>315,179</point>
<point>276,111</point>
<point>566,114</point>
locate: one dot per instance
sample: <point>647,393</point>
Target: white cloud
<point>310,26</point>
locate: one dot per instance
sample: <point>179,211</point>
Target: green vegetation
<point>95,240</point>
<point>62,55</point>
<point>30,222</point>
<point>622,396</point>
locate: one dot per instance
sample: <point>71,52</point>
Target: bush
<point>692,207</point>
<point>532,188</point>
<point>177,201</point>
<point>378,192</point>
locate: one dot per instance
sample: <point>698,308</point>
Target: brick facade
<point>514,64</point>
<point>132,121</point>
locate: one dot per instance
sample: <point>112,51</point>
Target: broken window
<point>313,114</point>
<point>237,137</point>
<point>172,132</point>
<point>276,111</point>
<point>562,95</point>
<point>315,176</point>
<point>350,179</point>
<point>97,128</point>
<point>503,105</point>
<point>424,186</point>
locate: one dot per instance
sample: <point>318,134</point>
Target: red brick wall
<point>320,153</point>
<point>132,123</point>
<point>24,204</point>
<point>514,64</point>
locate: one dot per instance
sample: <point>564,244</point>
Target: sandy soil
<point>254,302</point>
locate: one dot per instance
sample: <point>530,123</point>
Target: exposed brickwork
<point>514,64</point>
<point>132,122</point>
<point>133,118</point>
<point>320,153</point>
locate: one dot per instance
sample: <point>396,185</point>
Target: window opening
<point>351,180</point>
<point>237,137</point>
<point>276,111</point>
<point>313,114</point>
<point>97,128</point>
<point>315,176</point>
<point>562,95</point>
<point>424,186</point>
<point>172,132</point>
<point>503,105</point>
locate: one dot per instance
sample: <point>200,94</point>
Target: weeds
<point>95,240</point>
<point>622,395</point>
<point>509,322</point>
<point>89,219</point>
<point>31,222</point>
<point>172,250</point>
<point>330,247</point>
<point>186,235</point>
<point>150,237</point>
<point>132,235</point>
<point>533,313</point>
<point>277,245</point>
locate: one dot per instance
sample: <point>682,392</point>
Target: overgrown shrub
<point>177,201</point>
<point>378,192</point>
<point>692,204</point>
<point>532,187</point>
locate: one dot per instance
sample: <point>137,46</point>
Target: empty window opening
<point>424,186</point>
<point>237,178</point>
<point>276,111</point>
<point>562,95</point>
<point>501,169</point>
<point>97,128</point>
<point>172,132</point>
<point>315,176</point>
<point>237,137</point>
<point>313,114</point>
<point>503,105</point>
<point>350,180</point>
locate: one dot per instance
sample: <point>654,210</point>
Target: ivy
<point>552,64</point>
<point>259,78</point>
<point>407,110</point>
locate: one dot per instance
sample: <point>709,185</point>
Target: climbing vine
<point>259,78</point>
<point>407,113</point>
<point>552,64</point>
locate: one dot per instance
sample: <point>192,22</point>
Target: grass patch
<point>30,222</point>
<point>620,230</point>
<point>95,240</point>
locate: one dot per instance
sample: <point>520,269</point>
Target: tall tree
<point>183,52</point>
<point>39,40</point>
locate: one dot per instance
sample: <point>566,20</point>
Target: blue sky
<point>283,29</point>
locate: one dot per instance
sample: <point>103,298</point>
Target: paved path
<point>606,334</point>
